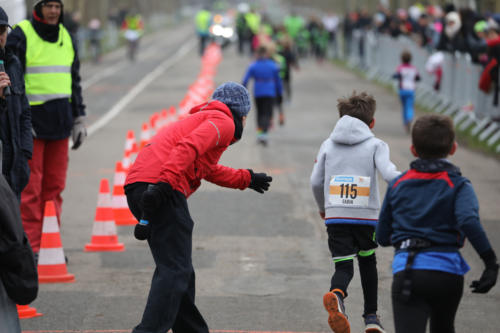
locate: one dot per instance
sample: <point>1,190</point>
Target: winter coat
<point>351,156</point>
<point>268,83</point>
<point>432,201</point>
<point>187,151</point>
<point>15,128</point>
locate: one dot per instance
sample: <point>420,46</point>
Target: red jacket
<point>187,151</point>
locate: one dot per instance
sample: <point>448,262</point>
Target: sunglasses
<point>3,29</point>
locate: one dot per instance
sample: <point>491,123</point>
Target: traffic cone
<point>130,143</point>
<point>127,160</point>
<point>122,214</point>
<point>51,260</point>
<point>145,136</point>
<point>25,312</point>
<point>104,237</point>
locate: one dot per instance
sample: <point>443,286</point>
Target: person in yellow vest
<point>51,68</point>
<point>253,21</point>
<point>133,29</point>
<point>203,20</point>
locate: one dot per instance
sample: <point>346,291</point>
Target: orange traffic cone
<point>104,237</point>
<point>122,214</point>
<point>172,113</point>
<point>127,160</point>
<point>51,261</point>
<point>25,311</point>
<point>130,143</point>
<point>145,136</point>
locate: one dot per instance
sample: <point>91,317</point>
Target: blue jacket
<point>265,72</point>
<point>15,128</point>
<point>434,202</point>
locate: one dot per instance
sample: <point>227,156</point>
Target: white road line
<point>140,86</point>
<point>102,74</point>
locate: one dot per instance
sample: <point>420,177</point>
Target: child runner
<point>426,215</point>
<point>344,184</point>
<point>267,88</point>
<point>407,74</point>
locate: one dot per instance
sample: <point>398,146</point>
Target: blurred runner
<point>203,20</point>
<point>133,29</point>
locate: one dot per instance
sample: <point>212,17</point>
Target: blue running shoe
<point>372,324</point>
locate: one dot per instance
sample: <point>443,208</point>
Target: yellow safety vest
<point>133,22</point>
<point>203,21</point>
<point>48,65</point>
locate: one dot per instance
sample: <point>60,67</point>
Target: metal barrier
<point>459,95</point>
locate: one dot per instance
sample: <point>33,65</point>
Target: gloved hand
<point>490,274</point>
<point>79,132</point>
<point>152,199</point>
<point>260,182</point>
<point>155,196</point>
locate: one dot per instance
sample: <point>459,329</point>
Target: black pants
<point>347,241</point>
<point>264,112</point>
<point>170,303</point>
<point>434,294</point>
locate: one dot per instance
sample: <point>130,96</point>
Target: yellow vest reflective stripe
<point>48,65</point>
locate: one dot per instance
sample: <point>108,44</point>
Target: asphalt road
<point>262,261</point>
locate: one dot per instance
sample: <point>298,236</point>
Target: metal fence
<point>459,95</point>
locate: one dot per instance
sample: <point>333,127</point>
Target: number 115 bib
<point>349,191</point>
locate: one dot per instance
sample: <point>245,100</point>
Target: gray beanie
<point>235,96</point>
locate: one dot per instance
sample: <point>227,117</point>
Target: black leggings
<point>344,271</point>
<point>434,294</point>
<point>264,112</point>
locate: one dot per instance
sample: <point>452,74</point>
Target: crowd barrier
<point>459,96</point>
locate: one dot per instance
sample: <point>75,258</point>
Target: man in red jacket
<point>165,173</point>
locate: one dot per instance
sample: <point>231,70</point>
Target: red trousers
<point>48,167</point>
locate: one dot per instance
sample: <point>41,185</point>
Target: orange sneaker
<point>337,318</point>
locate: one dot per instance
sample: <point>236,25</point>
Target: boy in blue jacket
<point>426,215</point>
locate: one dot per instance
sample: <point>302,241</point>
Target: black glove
<point>152,199</point>
<point>490,274</point>
<point>260,181</point>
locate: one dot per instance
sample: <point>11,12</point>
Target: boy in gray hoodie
<point>345,187</point>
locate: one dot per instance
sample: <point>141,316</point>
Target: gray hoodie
<point>344,178</point>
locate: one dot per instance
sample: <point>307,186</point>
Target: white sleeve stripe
<point>218,133</point>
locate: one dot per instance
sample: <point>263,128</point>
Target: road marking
<point>140,86</point>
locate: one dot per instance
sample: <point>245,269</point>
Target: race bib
<point>349,191</point>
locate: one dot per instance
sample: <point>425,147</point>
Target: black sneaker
<point>337,318</point>
<point>372,324</point>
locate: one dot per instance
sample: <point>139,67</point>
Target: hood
<point>219,106</point>
<point>350,131</point>
<point>212,105</point>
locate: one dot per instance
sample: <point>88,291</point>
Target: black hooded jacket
<point>15,127</point>
<point>52,120</point>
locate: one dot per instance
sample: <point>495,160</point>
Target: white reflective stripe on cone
<point>50,224</point>
<point>120,201</point>
<point>119,178</point>
<point>107,228</point>
<point>51,256</point>
<point>103,200</point>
